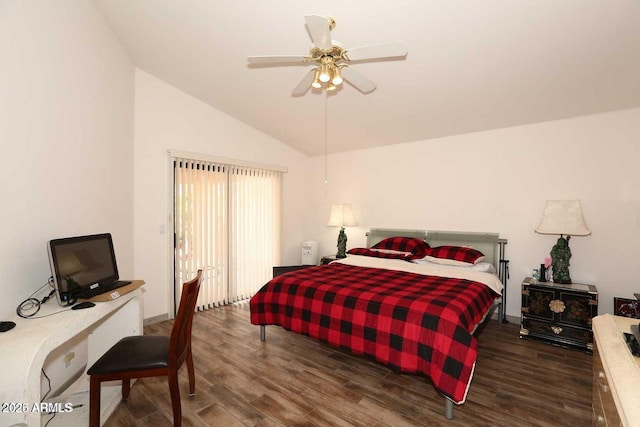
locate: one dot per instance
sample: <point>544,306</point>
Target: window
<point>226,222</point>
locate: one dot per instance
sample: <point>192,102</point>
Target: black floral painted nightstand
<point>559,313</point>
<point>327,259</point>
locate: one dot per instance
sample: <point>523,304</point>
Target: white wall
<point>498,181</point>
<point>66,132</point>
<point>167,118</point>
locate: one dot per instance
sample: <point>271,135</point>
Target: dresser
<point>616,374</point>
<point>558,313</point>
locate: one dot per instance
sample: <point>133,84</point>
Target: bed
<point>411,306</point>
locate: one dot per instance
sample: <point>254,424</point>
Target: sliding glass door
<point>226,222</point>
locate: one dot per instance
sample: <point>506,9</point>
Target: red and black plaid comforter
<point>413,323</point>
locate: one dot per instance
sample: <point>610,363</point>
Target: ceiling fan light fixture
<point>331,86</point>
<point>316,79</point>
<point>325,74</point>
<point>337,76</point>
<point>325,69</point>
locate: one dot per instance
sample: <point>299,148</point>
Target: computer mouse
<point>5,326</point>
<point>81,305</point>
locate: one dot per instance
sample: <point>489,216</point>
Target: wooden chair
<point>149,356</point>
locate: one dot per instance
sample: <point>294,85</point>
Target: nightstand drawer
<point>561,333</point>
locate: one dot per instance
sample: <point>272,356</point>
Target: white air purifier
<point>310,253</point>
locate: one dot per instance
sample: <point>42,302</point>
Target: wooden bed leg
<point>448,408</point>
<point>262,333</point>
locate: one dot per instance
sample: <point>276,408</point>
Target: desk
<point>24,350</point>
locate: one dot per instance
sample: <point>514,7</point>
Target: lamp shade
<point>341,216</point>
<point>563,217</point>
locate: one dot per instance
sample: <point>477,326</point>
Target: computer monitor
<point>82,262</point>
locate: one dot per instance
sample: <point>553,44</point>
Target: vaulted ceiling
<point>471,65</point>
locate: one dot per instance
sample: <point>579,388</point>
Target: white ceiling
<point>472,65</point>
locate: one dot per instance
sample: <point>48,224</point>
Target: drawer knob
<point>604,387</point>
<point>600,419</point>
<point>557,306</point>
<point>556,329</point>
<point>600,374</point>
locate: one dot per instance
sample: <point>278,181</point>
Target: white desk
<point>24,349</point>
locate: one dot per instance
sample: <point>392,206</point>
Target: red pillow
<point>411,245</point>
<point>377,253</point>
<point>455,255</point>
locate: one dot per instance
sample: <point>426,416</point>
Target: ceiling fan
<point>331,59</point>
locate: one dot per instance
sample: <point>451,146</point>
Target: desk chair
<point>149,356</point>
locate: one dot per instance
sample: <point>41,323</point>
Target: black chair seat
<point>134,354</point>
<point>150,356</point>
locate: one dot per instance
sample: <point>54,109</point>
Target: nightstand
<point>287,268</point>
<point>559,313</point>
<point>327,259</point>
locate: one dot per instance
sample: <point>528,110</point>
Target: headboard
<point>487,243</point>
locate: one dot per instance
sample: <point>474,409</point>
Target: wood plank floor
<point>292,380</point>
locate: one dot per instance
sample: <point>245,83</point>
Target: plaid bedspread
<point>412,323</point>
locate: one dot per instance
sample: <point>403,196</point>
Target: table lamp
<point>563,217</point>
<point>341,216</point>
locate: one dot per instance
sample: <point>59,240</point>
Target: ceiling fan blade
<point>304,84</point>
<point>319,31</point>
<point>385,50</point>
<point>280,59</point>
<point>357,80</point>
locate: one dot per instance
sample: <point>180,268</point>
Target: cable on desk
<point>31,306</point>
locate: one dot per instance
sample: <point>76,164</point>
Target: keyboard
<point>102,289</point>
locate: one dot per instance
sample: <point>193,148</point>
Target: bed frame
<point>489,244</point>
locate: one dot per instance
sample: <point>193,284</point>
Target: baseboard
<point>510,319</point>
<point>155,319</point>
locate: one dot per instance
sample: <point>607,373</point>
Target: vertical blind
<point>226,222</point>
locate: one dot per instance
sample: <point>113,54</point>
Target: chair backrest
<point>181,333</point>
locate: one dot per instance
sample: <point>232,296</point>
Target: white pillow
<point>447,261</point>
<point>485,267</point>
<point>390,251</point>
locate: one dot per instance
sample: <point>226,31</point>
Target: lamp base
<point>342,244</point>
<point>560,256</point>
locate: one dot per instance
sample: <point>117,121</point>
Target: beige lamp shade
<point>563,217</point>
<point>341,216</point>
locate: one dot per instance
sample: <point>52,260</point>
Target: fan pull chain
<point>326,178</point>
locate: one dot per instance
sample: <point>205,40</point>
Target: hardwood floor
<point>294,381</point>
